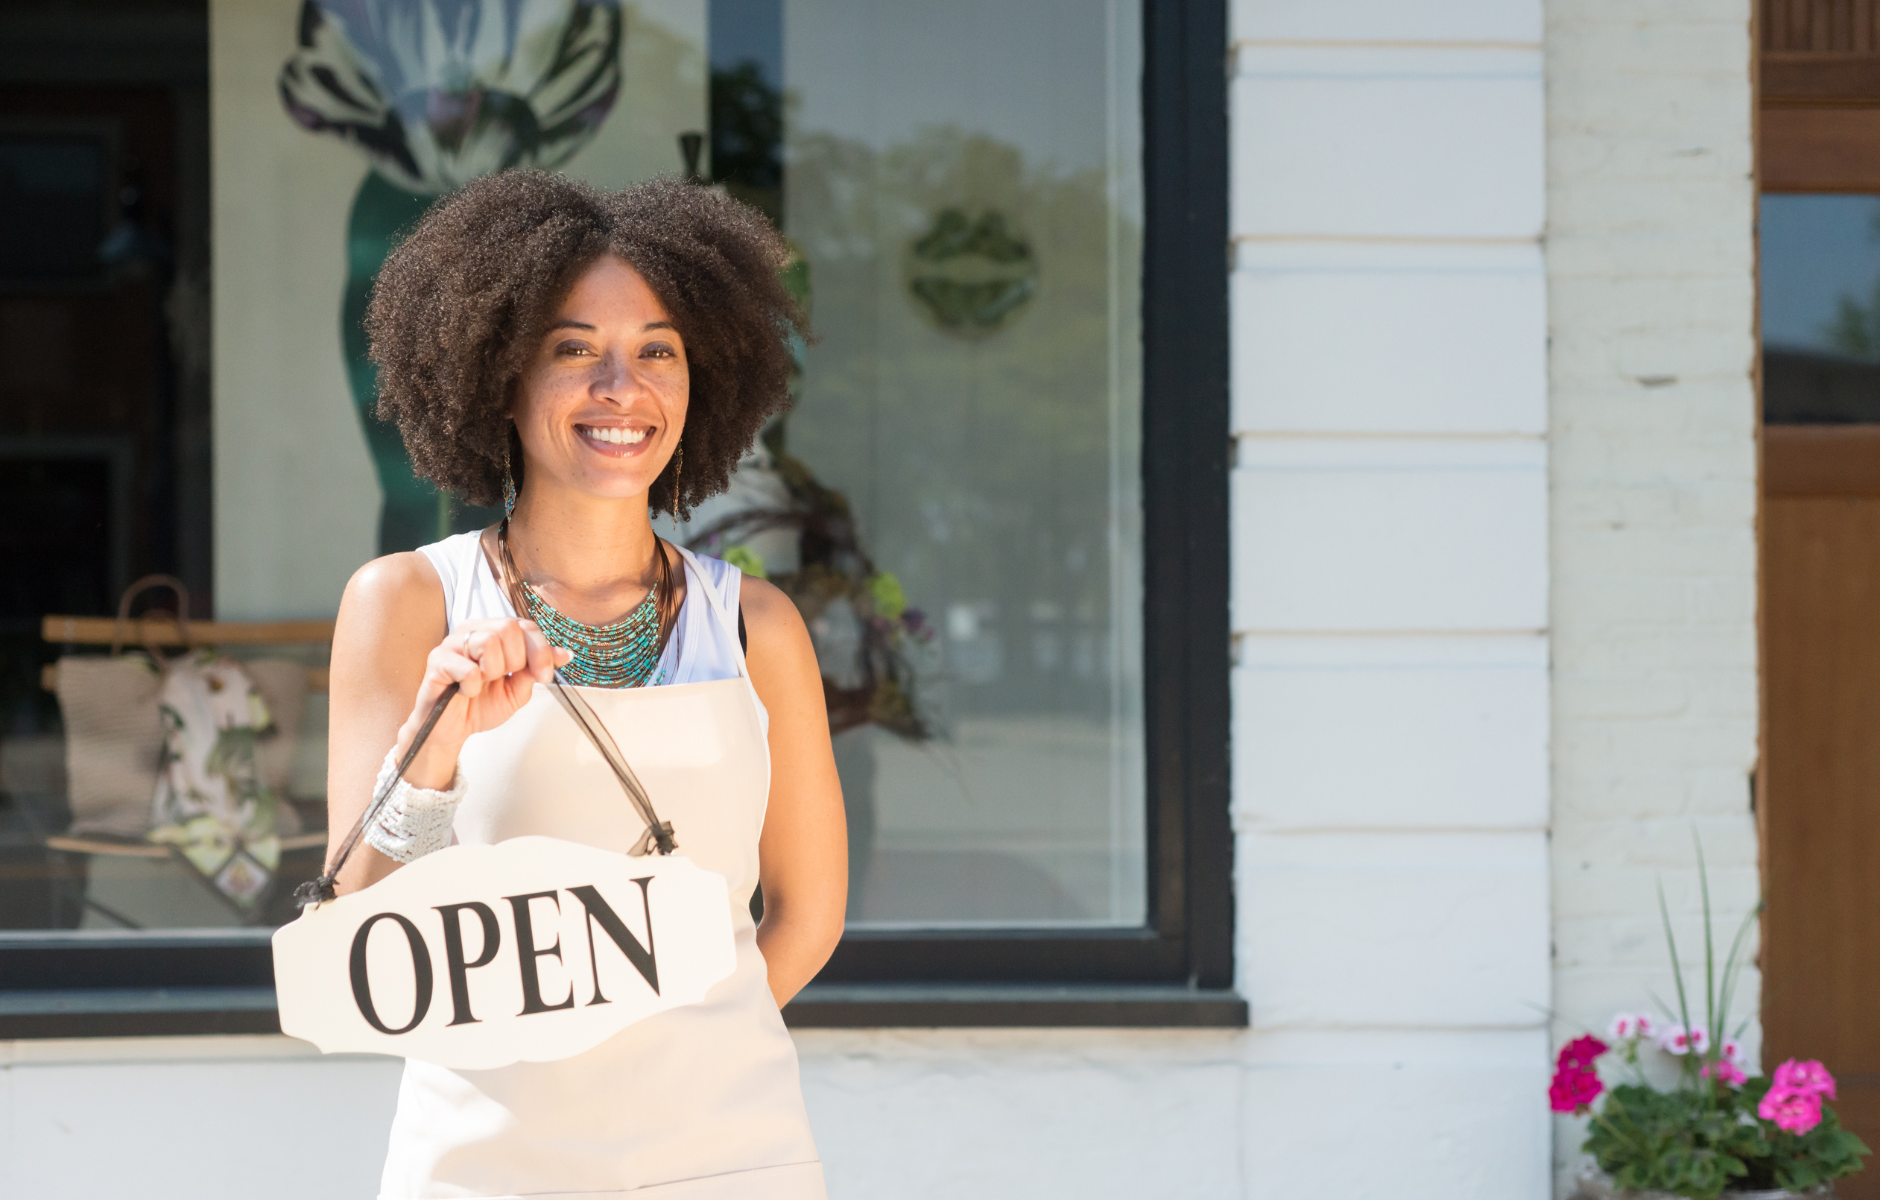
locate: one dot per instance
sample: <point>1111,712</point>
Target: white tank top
<point>700,1102</point>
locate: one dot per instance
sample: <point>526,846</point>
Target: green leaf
<point>885,591</point>
<point>746,560</point>
<point>1710,954</point>
<point>1677,968</point>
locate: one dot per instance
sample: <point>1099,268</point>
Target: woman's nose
<point>613,379</point>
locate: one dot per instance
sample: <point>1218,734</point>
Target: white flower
<point>1733,1053</point>
<point>1675,1039</point>
<point>438,92</point>
<point>1624,1027</point>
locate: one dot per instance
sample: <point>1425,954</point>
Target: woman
<point>588,358</point>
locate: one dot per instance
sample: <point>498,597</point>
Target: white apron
<point>698,1103</point>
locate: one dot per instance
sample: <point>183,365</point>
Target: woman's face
<point>601,405</point>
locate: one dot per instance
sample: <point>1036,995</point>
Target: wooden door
<point>1820,801</point>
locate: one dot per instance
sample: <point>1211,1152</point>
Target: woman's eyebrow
<point>572,324</point>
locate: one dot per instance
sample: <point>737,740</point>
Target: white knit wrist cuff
<point>415,821</point>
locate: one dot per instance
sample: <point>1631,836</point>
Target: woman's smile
<point>616,441</point>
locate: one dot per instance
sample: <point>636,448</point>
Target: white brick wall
<point>1390,596</point>
<point>1651,294</point>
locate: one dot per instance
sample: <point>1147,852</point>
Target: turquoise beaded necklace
<point>621,654</point>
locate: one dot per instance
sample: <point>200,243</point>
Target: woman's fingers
<point>497,661</point>
<point>466,672</point>
<point>541,656</point>
<point>512,646</point>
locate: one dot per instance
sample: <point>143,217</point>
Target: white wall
<point>210,1118</point>
<point>1651,290</point>
<point>1390,595</point>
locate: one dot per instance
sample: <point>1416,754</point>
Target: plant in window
<point>858,614</point>
<point>1718,1130</point>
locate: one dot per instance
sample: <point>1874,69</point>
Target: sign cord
<point>320,890</point>
<point>658,835</point>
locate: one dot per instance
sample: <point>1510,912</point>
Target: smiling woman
<point>591,357</point>
<point>490,266</point>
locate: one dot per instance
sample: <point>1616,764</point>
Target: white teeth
<point>614,435</point>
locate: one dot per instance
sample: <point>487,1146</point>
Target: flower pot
<point>1598,1187</point>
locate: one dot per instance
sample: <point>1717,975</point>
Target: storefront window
<point>999,500</point>
<point>954,503</point>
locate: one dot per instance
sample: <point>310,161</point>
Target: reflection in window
<point>103,454</point>
<point>953,503</point>
<point>1820,270</point>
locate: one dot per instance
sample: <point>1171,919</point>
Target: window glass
<point>103,407</point>
<point>1820,279</point>
<point>968,214</point>
<point>953,502</point>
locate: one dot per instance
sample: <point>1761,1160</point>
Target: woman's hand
<point>392,658</point>
<point>496,663</point>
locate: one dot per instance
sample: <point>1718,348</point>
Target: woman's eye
<point>659,350</point>
<point>573,349</point>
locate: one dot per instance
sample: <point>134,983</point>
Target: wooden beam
<point>1821,460</point>
<point>1820,79</point>
<point>163,631</point>
<point>1820,149</point>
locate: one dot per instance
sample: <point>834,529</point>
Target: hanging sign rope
<point>529,950</point>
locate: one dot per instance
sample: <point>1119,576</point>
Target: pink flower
<point>1580,1052</point>
<point>1733,1052</point>
<point>1625,1027</point>
<point>1647,1028</point>
<point>1810,1078</point>
<point>1792,1111</point>
<point>1724,1070</point>
<point>1574,1089</point>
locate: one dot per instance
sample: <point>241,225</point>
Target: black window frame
<point>1177,968</point>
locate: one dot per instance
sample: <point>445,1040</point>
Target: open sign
<point>530,950</point>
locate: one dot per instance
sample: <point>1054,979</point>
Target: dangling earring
<point>509,489</point>
<point>678,473</point>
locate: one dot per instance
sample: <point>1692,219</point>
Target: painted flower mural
<point>436,93</point>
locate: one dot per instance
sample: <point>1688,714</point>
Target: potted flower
<point>1717,1130</point>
